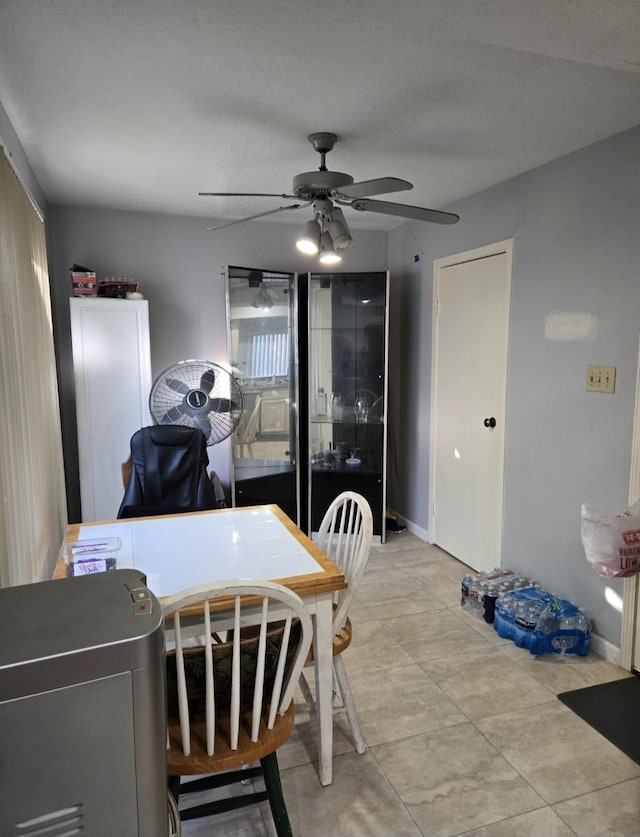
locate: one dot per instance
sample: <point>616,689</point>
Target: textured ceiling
<point>141,104</point>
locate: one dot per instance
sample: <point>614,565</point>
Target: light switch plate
<point>601,379</point>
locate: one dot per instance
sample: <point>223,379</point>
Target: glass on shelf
<point>321,404</point>
<point>361,408</point>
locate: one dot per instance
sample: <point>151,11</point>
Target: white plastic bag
<point>612,542</point>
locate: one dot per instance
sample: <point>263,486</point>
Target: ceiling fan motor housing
<point>311,184</point>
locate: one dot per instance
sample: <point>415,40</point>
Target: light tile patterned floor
<point>465,734</point>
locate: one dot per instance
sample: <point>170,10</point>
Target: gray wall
<point>576,248</point>
<point>178,266</point>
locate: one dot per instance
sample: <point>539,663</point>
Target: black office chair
<point>168,473</point>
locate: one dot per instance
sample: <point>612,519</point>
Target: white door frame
<point>630,633</point>
<point>494,249</point>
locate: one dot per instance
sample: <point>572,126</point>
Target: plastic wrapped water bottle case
<point>522,611</point>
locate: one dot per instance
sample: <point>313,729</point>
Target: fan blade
<point>173,415</point>
<point>203,424</point>
<point>378,186</point>
<point>207,381</point>
<point>177,386</point>
<point>259,215</point>
<point>221,405</point>
<point>416,213</point>
<point>245,195</point>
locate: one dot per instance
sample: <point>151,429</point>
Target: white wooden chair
<point>230,703</point>
<point>345,536</point>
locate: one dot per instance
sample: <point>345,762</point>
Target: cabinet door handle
<point>490,422</point>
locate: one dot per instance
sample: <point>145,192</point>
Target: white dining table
<point>179,551</point>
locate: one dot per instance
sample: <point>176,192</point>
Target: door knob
<point>490,422</point>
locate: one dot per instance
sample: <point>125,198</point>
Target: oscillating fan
<point>198,393</point>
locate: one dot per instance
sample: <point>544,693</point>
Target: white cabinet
<point>112,370</point>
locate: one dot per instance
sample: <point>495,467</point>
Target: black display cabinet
<point>346,391</point>
<point>310,353</point>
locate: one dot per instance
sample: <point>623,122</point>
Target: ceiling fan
<point>328,191</point>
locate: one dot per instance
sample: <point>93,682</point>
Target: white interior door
<point>469,372</point>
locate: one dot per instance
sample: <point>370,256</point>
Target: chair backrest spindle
<point>210,707</point>
<point>258,687</point>
<point>183,703</point>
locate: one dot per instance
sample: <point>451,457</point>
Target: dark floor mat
<point>612,709</point>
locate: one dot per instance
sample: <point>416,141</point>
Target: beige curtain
<point>33,508</point>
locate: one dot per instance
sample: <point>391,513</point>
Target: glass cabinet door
<point>262,324</point>
<point>347,347</point>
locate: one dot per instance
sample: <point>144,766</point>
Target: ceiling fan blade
<point>416,213</point>
<point>177,386</point>
<point>173,415</point>
<point>253,217</point>
<point>245,195</point>
<point>378,186</point>
<point>207,381</point>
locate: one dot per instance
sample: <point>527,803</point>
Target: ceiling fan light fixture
<point>309,241</point>
<point>262,300</point>
<point>328,253</point>
<point>340,233</point>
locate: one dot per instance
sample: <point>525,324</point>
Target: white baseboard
<point>605,648</point>
<point>416,530</point>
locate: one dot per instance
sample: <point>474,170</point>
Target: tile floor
<point>465,734</point>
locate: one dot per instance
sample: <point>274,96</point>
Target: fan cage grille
<point>221,411</point>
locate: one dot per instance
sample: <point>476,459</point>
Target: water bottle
<point>468,597</point>
<point>472,595</point>
<point>562,628</point>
